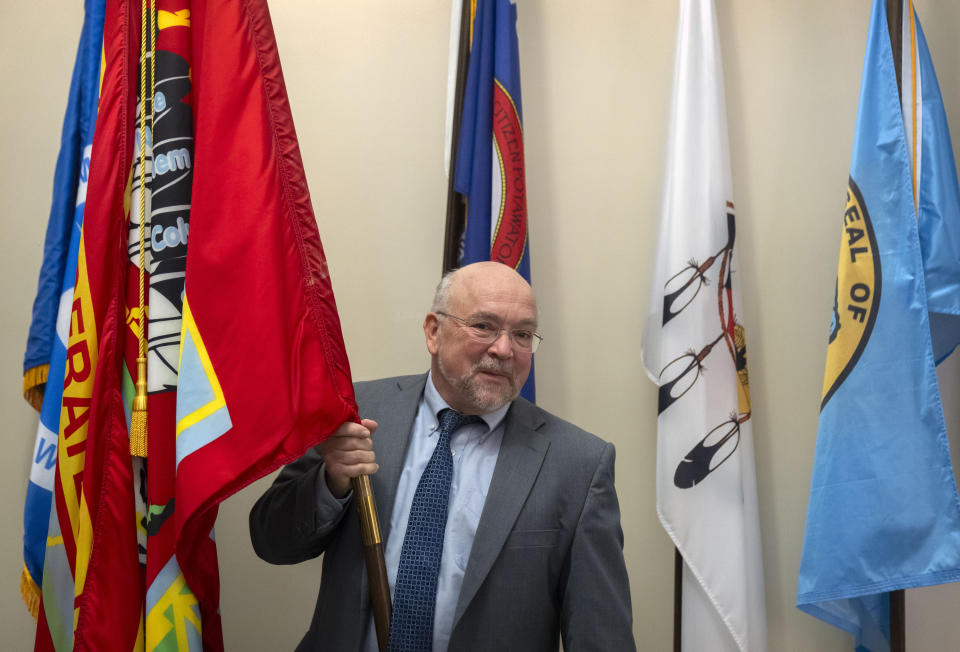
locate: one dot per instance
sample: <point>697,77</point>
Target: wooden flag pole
<point>373,556</point>
<point>897,598</point>
<point>895,26</point>
<point>898,621</point>
<point>677,600</point>
<point>363,492</point>
<point>456,204</point>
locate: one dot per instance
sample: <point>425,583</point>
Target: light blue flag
<point>884,513</point>
<point>69,195</point>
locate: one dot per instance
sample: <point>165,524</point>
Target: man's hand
<point>348,453</point>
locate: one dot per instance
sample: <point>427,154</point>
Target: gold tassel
<point>138,420</point>
<point>31,593</point>
<point>34,383</point>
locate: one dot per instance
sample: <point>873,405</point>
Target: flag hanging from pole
<point>884,513</point>
<point>237,299</point>
<point>94,491</point>
<point>259,310</point>
<point>695,351</point>
<point>70,187</point>
<point>42,334</point>
<point>489,169</point>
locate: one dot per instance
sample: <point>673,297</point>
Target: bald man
<point>531,551</point>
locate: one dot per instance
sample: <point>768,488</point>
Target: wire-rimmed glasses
<point>485,331</point>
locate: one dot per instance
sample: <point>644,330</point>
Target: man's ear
<point>431,330</point>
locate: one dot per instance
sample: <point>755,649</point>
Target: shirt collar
<point>436,403</point>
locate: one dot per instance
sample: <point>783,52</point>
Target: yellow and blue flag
<point>46,343</point>
<point>41,336</point>
<point>490,169</point>
<point>884,513</point>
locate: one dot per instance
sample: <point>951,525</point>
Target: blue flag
<point>884,513</point>
<point>52,307</point>
<point>490,164</point>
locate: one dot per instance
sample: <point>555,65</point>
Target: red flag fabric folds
<point>262,373</point>
<point>260,322</point>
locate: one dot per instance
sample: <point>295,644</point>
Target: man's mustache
<point>504,368</point>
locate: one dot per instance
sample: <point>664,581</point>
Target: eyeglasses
<point>486,332</point>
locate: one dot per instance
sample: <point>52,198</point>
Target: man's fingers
<point>364,429</point>
<point>347,443</point>
<point>351,429</point>
<point>348,453</point>
<point>350,456</point>
<point>353,470</point>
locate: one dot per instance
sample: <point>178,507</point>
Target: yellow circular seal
<point>857,294</point>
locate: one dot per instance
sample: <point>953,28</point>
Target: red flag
<point>99,529</point>
<point>262,373</point>
<point>258,286</point>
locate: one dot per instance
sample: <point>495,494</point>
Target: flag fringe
<point>31,593</point>
<point>34,382</point>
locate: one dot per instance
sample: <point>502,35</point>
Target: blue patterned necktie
<point>415,591</point>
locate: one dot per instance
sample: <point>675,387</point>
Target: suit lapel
<point>518,463</point>
<point>395,415</point>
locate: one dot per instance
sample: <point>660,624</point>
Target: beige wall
<point>367,86</point>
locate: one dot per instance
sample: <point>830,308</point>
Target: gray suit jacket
<point>547,559</point>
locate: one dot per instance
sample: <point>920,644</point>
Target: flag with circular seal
<point>490,170</point>
<point>884,513</point>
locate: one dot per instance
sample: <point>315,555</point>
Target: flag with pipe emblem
<point>694,349</point>
<point>226,274</point>
<point>884,513</point>
<point>489,169</point>
<point>70,187</point>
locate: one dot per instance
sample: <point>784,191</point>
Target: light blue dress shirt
<point>475,448</point>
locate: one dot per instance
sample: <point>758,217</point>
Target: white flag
<point>694,349</point>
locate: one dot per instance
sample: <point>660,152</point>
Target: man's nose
<point>502,346</point>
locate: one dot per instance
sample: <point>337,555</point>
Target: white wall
<point>367,85</point>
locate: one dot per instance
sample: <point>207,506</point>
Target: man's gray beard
<point>467,386</point>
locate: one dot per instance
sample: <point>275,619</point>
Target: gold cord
<point>138,420</point>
